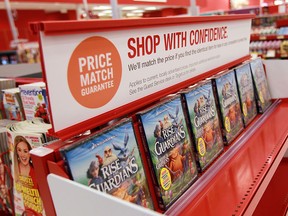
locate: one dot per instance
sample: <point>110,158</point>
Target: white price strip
<point>271,54</point>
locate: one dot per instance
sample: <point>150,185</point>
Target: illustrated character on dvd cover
<point>201,108</point>
<point>24,177</point>
<point>166,122</point>
<point>158,134</point>
<point>209,135</point>
<point>122,193</point>
<point>187,154</point>
<point>124,154</point>
<point>93,174</point>
<point>175,163</point>
<point>109,156</point>
<point>201,103</point>
<point>265,92</point>
<point>228,92</point>
<point>232,114</point>
<point>247,94</point>
<point>136,188</point>
<point>132,189</point>
<point>175,122</point>
<point>217,131</point>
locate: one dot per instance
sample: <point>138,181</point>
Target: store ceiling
<point>102,10</point>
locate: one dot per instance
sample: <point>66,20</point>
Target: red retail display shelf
<point>234,184</point>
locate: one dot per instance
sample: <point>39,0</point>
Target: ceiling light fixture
<point>138,11</point>
<point>102,7</point>
<point>129,8</point>
<point>134,14</point>
<point>107,12</point>
<point>161,1</point>
<point>150,8</point>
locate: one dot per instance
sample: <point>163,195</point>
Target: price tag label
<point>271,54</point>
<point>280,37</point>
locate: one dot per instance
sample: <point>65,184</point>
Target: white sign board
<point>89,74</point>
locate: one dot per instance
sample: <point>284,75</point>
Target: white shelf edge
<point>73,199</point>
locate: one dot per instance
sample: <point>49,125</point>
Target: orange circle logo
<point>94,72</point>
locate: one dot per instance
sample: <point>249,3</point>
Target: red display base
<point>229,185</point>
<point>275,198</point>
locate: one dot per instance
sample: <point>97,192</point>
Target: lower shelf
<point>275,198</point>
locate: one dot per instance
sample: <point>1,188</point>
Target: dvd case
<point>263,95</point>
<point>246,93</point>
<point>168,147</point>
<point>110,161</point>
<point>204,122</point>
<point>228,102</point>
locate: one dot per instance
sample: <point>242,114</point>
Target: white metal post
<point>11,21</point>
<point>115,9</point>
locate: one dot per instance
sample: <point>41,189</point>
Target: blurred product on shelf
<point>284,49</point>
<point>28,52</point>
<point>267,49</point>
<point>8,57</point>
<point>5,84</point>
<point>13,104</point>
<point>33,96</point>
<point>269,36</point>
<point>264,30</point>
